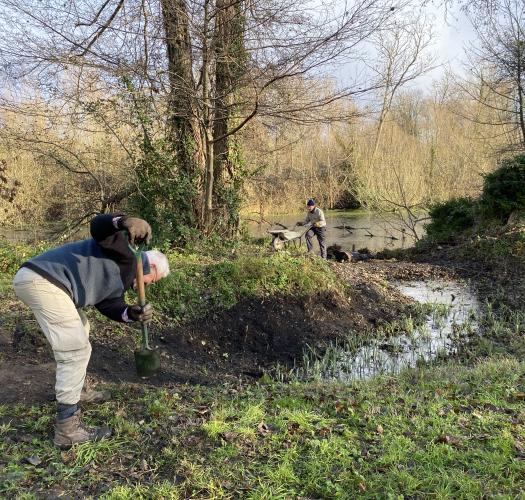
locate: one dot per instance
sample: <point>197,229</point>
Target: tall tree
<point>230,68</point>
<point>187,76</point>
<point>402,56</point>
<point>497,66</point>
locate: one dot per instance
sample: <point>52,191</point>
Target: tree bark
<point>183,127</point>
<point>229,69</point>
<point>208,202</point>
<point>520,74</point>
<point>207,121</point>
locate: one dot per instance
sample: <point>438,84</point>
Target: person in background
<point>59,283</point>
<point>315,217</point>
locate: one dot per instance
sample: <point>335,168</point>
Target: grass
<point>212,277</point>
<point>453,429</point>
<point>13,255</point>
<point>449,431</point>
<point>198,284</point>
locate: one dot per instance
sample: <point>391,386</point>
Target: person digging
<point>315,217</point>
<point>57,284</point>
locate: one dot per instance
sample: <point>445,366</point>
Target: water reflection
<point>35,235</point>
<point>450,323</point>
<point>354,228</point>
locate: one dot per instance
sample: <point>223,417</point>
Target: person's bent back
<point>57,284</point>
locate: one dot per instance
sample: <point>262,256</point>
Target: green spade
<point>147,360</point>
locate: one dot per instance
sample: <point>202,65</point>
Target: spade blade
<point>147,362</point>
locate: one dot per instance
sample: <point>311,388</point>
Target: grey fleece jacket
<point>93,272</point>
<point>316,218</point>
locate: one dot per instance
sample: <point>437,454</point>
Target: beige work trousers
<point>65,327</point>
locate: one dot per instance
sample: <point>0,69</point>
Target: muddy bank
<point>244,341</point>
<point>493,262</point>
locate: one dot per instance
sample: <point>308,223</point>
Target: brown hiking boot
<point>72,430</point>
<point>91,396</point>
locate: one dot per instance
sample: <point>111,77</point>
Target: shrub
<point>504,189</point>
<point>13,256</point>
<point>450,218</point>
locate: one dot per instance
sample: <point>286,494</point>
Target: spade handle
<point>139,275</point>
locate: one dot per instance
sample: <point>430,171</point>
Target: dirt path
<point>254,336</point>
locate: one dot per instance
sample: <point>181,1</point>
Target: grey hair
<point>160,261</point>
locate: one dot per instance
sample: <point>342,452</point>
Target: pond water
<point>350,229</point>
<point>21,235</point>
<point>451,322</point>
<point>37,234</point>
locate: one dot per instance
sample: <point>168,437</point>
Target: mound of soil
<point>259,333</point>
<point>255,335</point>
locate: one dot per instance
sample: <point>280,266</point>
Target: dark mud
<point>254,336</point>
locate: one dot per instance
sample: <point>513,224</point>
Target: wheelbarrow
<point>283,236</point>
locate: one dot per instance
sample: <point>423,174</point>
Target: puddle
<point>450,322</point>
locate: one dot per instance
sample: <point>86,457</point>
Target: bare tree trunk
<point>223,81</point>
<point>381,120</point>
<point>521,104</point>
<point>208,201</point>
<point>229,68</point>
<point>207,119</point>
<point>183,128</point>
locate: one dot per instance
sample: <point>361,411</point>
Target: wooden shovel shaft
<point>142,297</point>
<point>140,281</point>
